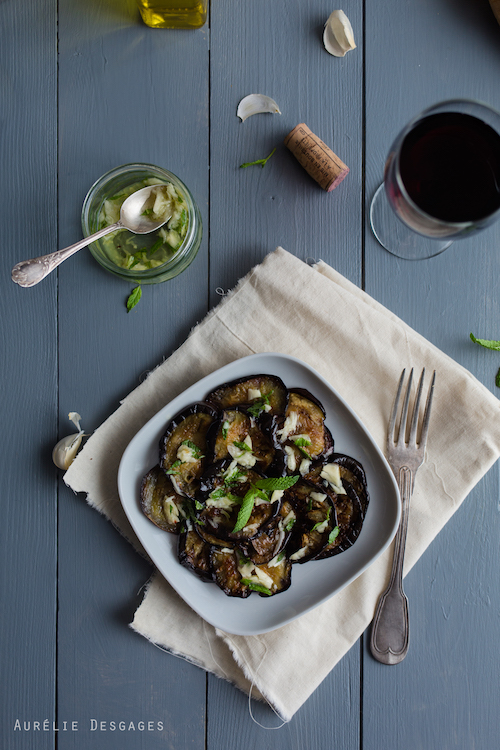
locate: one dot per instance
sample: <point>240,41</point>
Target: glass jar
<point>173,14</point>
<point>144,259</point>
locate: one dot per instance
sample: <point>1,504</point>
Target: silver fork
<point>390,630</point>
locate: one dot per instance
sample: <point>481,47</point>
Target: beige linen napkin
<point>313,313</point>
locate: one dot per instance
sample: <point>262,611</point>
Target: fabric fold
<point>315,314</point>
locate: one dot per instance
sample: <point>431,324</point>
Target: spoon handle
<point>30,272</point>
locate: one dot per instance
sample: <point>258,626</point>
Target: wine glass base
<point>396,237</point>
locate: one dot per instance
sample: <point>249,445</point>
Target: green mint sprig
<point>256,586</point>
<point>489,344</point>
<point>261,162</point>
<point>261,486</point>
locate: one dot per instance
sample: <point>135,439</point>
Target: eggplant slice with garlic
<point>316,521</point>
<point>224,564</point>
<point>183,447</point>
<point>239,576</point>
<point>345,477</point>
<point>221,496</point>
<point>160,502</point>
<point>238,436</point>
<point>300,435</point>
<point>273,536</point>
<point>258,393</point>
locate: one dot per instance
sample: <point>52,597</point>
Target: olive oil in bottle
<point>173,14</point>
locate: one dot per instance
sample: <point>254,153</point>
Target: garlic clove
<point>255,104</point>
<point>338,36</point>
<point>66,449</point>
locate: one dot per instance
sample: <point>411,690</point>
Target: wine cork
<point>317,159</point>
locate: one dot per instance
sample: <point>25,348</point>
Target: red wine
<point>450,166</point>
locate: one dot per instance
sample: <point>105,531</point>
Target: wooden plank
<point>127,93</point>
<point>276,49</point>
<point>443,694</point>
<point>29,359</point>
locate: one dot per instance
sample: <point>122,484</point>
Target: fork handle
<point>390,630</point>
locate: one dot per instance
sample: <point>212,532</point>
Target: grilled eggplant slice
<point>259,393</point>
<point>224,563</point>
<point>346,478</point>
<point>300,435</point>
<point>349,522</point>
<point>238,576</point>
<point>273,537</point>
<point>183,447</point>
<point>269,579</point>
<point>160,502</point>
<point>237,436</point>
<point>194,553</point>
<point>221,498</point>
<point>316,521</point>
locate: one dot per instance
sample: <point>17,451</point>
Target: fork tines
<point>398,436</point>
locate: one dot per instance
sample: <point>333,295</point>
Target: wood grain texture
<point>441,695</point>
<point>105,90</point>
<point>127,97</point>
<point>28,367</point>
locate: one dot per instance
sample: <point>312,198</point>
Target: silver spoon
<point>132,217</point>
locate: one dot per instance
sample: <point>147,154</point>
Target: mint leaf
<point>242,446</point>
<point>320,523</point>
<point>245,511</point>
<point>301,441</point>
<point>256,586</point>
<point>497,380</point>
<point>173,466</point>
<point>134,297</point>
<point>262,162</point>
<point>333,534</point>
<point>276,483</point>
<point>194,448</point>
<point>487,343</point>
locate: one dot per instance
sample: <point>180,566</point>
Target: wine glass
<point>441,180</point>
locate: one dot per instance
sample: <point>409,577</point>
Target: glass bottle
<point>173,14</point>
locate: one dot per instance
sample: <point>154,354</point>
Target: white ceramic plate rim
<point>313,582</point>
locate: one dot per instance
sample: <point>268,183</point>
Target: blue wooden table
<point>85,86</point>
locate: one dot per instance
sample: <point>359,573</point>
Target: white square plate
<point>313,582</point>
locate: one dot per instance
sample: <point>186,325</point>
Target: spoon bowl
<point>137,214</point>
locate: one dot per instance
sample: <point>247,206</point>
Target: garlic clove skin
<point>255,104</point>
<point>338,36</point>
<point>66,449</point>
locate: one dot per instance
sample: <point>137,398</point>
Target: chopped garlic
<point>291,460</point>
<point>171,510</point>
<point>277,495</point>
<point>253,573</point>
<point>185,454</point>
<point>289,426</point>
<point>322,526</point>
<point>320,497</point>
<point>299,554</point>
<point>243,457</point>
<point>304,467</point>
<point>254,393</point>
<point>331,472</point>
<point>222,503</point>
